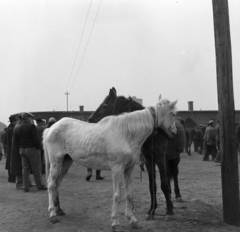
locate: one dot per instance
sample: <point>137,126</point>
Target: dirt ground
<point>88,204</point>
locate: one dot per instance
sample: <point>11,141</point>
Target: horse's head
<point>113,105</point>
<point>105,107</point>
<point>165,116</point>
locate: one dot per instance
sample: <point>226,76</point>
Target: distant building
<point>191,117</point>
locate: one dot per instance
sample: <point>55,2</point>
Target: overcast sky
<point>143,48</point>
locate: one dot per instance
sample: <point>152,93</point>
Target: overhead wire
<point>79,44</point>
<point>86,45</point>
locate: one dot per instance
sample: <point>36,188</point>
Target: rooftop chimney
<point>81,108</point>
<point>190,106</point>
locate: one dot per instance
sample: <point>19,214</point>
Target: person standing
<point>26,137</point>
<point>218,157</point>
<point>8,136</point>
<point>98,175</point>
<point>40,128</point>
<point>4,142</point>
<point>51,121</point>
<point>210,141</point>
<point>15,161</point>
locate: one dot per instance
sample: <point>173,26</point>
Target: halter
<point>153,113</point>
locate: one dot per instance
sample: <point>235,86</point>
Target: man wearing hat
<point>210,141</point>
<point>26,137</point>
<point>8,136</point>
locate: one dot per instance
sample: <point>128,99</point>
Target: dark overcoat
<point>9,134</point>
<point>16,160</point>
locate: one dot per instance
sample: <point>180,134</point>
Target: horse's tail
<point>46,156</point>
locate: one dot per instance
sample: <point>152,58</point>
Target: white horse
<point>114,143</point>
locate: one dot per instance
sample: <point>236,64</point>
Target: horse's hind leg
<point>152,188</point>
<point>161,163</point>
<point>128,177</point>
<point>175,178</point>
<point>67,162</point>
<point>55,170</point>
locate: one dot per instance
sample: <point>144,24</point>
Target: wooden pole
<point>229,167</point>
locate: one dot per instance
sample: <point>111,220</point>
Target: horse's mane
<point>131,124</point>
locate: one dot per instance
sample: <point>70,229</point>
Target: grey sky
<point>141,47</point>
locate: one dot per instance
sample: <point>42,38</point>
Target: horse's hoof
<point>149,217</point>
<point>179,199</point>
<point>54,219</point>
<point>135,225</point>
<point>60,212</point>
<point>116,228</point>
<point>88,177</point>
<point>168,217</point>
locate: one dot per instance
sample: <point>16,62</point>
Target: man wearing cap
<point>25,135</point>
<point>210,141</point>
<point>9,133</point>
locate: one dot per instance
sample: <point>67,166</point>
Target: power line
<point>79,44</point>
<point>86,45</point>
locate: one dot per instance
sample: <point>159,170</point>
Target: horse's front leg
<point>152,188</point>
<point>161,163</point>
<point>117,176</point>
<point>128,177</point>
<point>189,147</point>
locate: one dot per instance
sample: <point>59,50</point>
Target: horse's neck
<point>137,125</point>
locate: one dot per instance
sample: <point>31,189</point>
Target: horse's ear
<point>160,97</point>
<point>114,90</point>
<point>172,104</point>
<point>113,93</point>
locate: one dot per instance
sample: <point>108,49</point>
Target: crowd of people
<point>22,146</point>
<point>212,142</point>
<point>21,143</point>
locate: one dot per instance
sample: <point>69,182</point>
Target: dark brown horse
<point>190,134</point>
<point>198,138</point>
<point>157,150</point>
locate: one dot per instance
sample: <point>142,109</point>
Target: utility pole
<point>229,166</point>
<point>67,93</point>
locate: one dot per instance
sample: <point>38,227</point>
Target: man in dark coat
<point>25,135</point>
<point>9,133</point>
<point>210,141</point>
<point>16,161</point>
